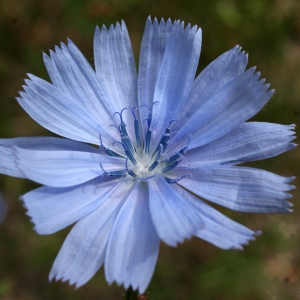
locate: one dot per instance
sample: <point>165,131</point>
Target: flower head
<point>162,140</point>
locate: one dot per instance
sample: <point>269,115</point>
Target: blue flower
<point>162,140</point>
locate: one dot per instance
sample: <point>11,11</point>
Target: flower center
<point>141,161</point>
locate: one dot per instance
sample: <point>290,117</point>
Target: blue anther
<point>153,166</point>
<point>171,166</point>
<point>178,154</point>
<point>137,134</point>
<point>130,172</point>
<point>172,159</point>
<point>130,156</point>
<point>111,153</point>
<point>165,138</point>
<point>156,161</point>
<point>117,173</point>
<point>128,152</point>
<point>148,134</point>
<point>175,180</point>
<point>160,152</point>
<point>149,119</point>
<point>148,140</point>
<point>136,129</point>
<point>123,132</point>
<point>126,141</point>
<point>163,141</point>
<point>113,173</point>
<point>107,150</point>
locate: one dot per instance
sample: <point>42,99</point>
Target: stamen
<point>128,152</point>
<point>123,132</point>
<point>114,173</point>
<point>153,166</point>
<point>137,130</point>
<point>165,138</point>
<point>149,131</point>
<point>145,178</point>
<point>120,114</point>
<point>175,180</point>
<point>156,161</point>
<point>130,172</point>
<point>107,150</point>
<point>147,142</point>
<point>179,154</point>
<point>139,152</point>
<point>149,119</point>
<point>113,125</point>
<point>171,166</point>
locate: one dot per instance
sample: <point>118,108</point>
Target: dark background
<point>268,268</point>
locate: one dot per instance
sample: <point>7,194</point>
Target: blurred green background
<point>268,268</point>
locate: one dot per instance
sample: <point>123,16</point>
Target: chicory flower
<point>139,152</point>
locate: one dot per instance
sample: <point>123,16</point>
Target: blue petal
<point>174,217</point>
<point>98,88</point>
<point>238,188</point>
<point>218,230</point>
<point>133,245</point>
<point>250,141</point>
<point>79,84</point>
<point>8,164</point>
<point>235,103</point>
<point>57,112</point>
<point>176,75</point>
<point>64,168</point>
<point>57,79</point>
<point>83,251</point>
<point>153,48</point>
<point>115,66</point>
<point>52,209</point>
<point>217,74</point>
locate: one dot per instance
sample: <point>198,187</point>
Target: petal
<point>238,188</point>
<point>8,161</point>
<point>218,230</point>
<point>174,217</point>
<point>57,79</point>
<point>218,73</point>
<point>223,237</point>
<point>133,244</point>
<point>52,209</point>
<point>83,251</point>
<point>100,102</point>
<point>153,48</point>
<point>228,108</point>
<point>58,113</point>
<point>115,66</point>
<point>176,75</point>
<point>84,89</point>
<point>64,168</point>
<point>250,141</point>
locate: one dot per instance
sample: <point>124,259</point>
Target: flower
<point>163,141</point>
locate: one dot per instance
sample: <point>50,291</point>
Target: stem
<point>134,295</point>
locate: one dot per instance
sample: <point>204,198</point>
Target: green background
<point>268,268</point>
